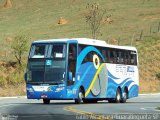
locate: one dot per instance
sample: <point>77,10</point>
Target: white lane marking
<point>142,108</point>
<point>7,105</point>
<point>150,108</point>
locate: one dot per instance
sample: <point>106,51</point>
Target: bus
<point>81,69</point>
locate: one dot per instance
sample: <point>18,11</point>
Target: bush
<point>19,47</point>
<point>158,108</point>
<point>158,75</point>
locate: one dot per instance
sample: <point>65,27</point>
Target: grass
<point>149,61</point>
<point>39,18</point>
<point>13,90</point>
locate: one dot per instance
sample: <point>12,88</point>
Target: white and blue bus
<point>81,69</point>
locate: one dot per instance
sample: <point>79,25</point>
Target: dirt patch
<point>62,21</point>
<point>8,39</point>
<point>151,18</point>
<point>157,46</point>
<point>107,20</point>
<point>149,86</point>
<point>2,63</point>
<point>114,41</point>
<point>7,4</point>
<point>11,90</point>
<point>9,64</point>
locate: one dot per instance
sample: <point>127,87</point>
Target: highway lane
<point>142,104</point>
<point>23,109</point>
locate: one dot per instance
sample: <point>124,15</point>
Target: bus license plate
<point>44,96</point>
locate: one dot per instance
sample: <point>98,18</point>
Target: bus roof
<point>87,41</point>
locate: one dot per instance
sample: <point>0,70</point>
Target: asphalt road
<point>142,107</point>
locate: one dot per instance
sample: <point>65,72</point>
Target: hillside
<point>135,22</point>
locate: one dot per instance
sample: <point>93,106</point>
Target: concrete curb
<point>149,94</point>
<point>13,97</point>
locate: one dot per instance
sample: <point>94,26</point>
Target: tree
<point>94,18</point>
<point>19,47</point>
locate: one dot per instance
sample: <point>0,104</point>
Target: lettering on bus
<point>125,70</point>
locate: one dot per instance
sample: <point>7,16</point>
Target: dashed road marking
<point>150,108</point>
<point>6,105</point>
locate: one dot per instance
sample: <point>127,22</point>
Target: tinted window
<point>58,51</point>
<point>37,51</point>
<point>133,58</point>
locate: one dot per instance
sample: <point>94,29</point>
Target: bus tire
<point>93,101</point>
<point>118,96</point>
<point>80,98</point>
<point>124,96</point>
<point>111,100</point>
<point>46,101</point>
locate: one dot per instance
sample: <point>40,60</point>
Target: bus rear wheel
<point>125,96</point>
<point>46,101</point>
<point>111,100</point>
<point>80,98</point>
<point>118,96</point>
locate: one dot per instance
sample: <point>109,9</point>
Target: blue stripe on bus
<point>112,76</point>
<point>83,54</point>
<point>82,77</point>
<point>133,91</point>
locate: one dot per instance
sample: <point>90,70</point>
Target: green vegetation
<point>158,108</point>
<point>132,22</point>
<point>149,62</point>
<point>19,47</point>
<point>39,19</point>
<point>158,75</point>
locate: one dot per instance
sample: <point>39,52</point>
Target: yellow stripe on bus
<point>94,79</point>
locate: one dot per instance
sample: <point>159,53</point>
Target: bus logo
<point>48,62</point>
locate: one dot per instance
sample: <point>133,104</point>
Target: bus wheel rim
<point>118,97</point>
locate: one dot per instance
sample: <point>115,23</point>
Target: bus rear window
<point>37,51</point>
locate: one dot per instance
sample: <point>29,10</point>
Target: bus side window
<point>122,57</point>
<point>104,54</point>
<point>111,57</point>
<point>72,58</point>
<point>135,59</point>
<point>72,51</point>
<point>129,58</point>
<point>108,56</point>
<point>125,57</point>
<point>132,59</point>
<point>89,57</point>
<point>118,56</point>
<point>79,49</point>
<point>86,59</point>
<point>114,57</point>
